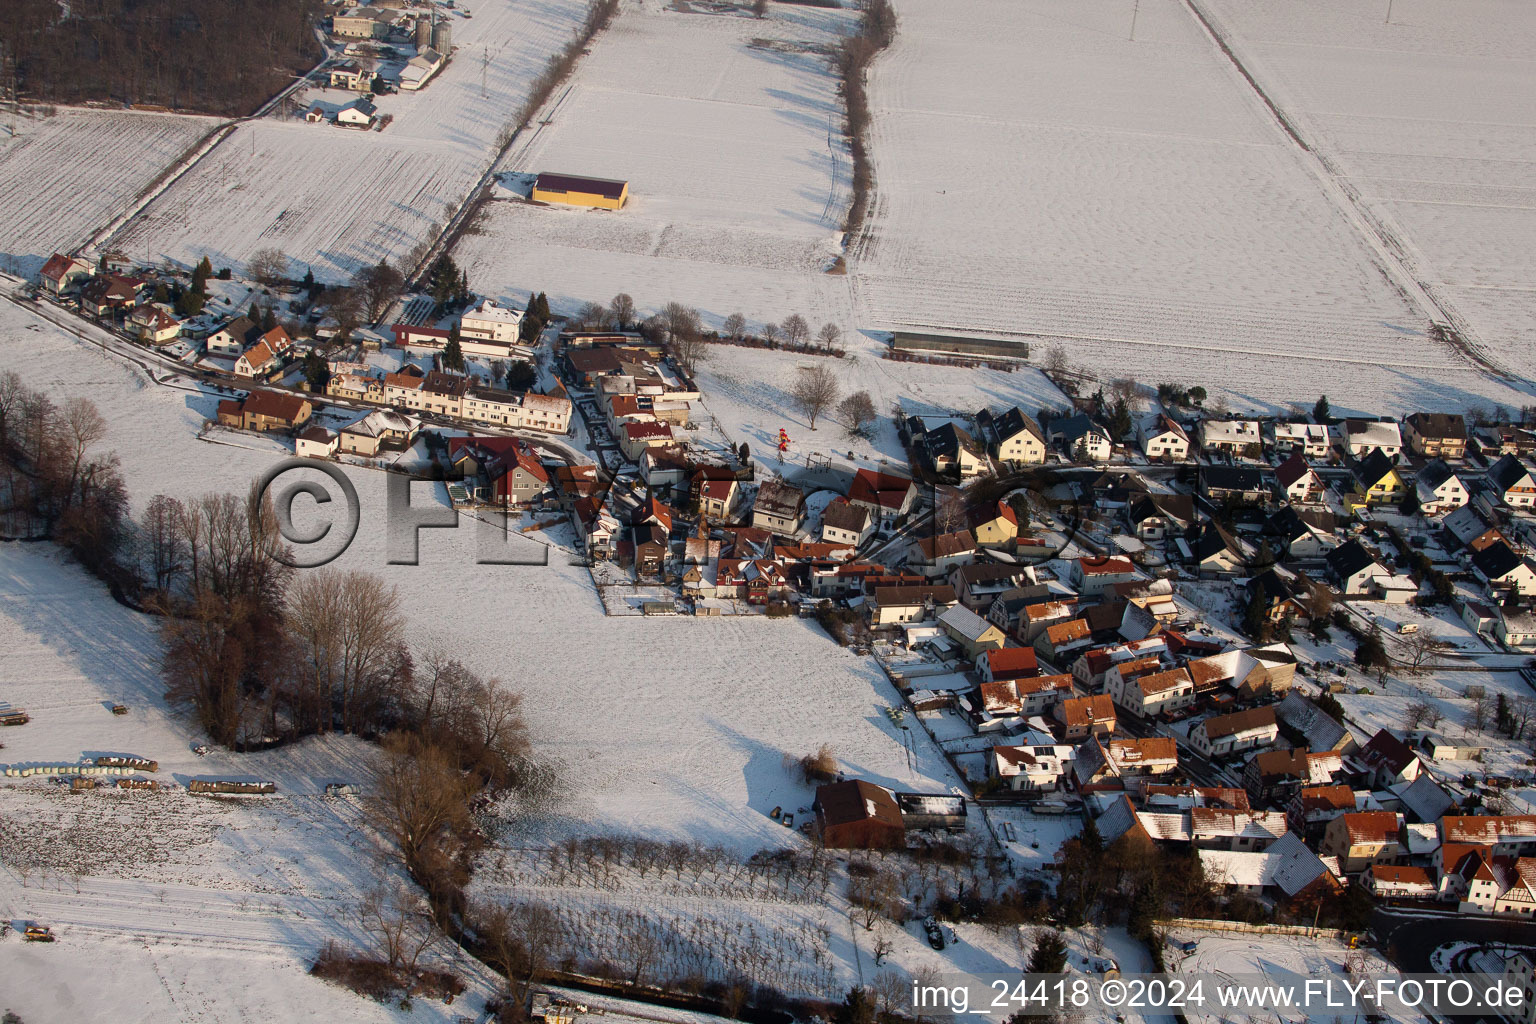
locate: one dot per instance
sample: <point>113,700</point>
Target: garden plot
<point>335,200</point>
<point>727,129</point>
<point>1432,121</point>
<point>1037,173</point>
<point>62,177</point>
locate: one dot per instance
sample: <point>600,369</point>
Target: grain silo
<point>423,32</point>
<point>442,38</point>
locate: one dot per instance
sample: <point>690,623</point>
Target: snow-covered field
<point>1038,172</point>
<point>710,706</point>
<point>1431,118</point>
<point>64,176</point>
<point>727,128</point>
<point>335,199</point>
<point>747,391</point>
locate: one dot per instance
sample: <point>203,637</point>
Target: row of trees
<point>815,390</point>
<point>216,58</point>
<point>56,481</point>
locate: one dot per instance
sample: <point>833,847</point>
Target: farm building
<point>858,815</point>
<point>574,190</point>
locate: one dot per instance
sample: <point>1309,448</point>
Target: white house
<point>1152,694</point>
<point>1016,438</point>
<point>1311,439</point>
<point>1162,438</point>
<point>1093,576</point>
<point>1361,437</point>
<point>1032,768</point>
<point>1229,734</point>
<point>489,322</point>
<point>1439,489</point>
<point>360,113</point>
<point>1231,436</point>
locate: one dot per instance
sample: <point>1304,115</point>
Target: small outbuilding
<point>574,190</point>
<point>858,815</point>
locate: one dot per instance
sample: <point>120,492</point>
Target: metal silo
<point>423,32</point>
<point>442,37</point>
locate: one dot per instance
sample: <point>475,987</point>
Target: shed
<point>575,190</point>
<point>858,815</point>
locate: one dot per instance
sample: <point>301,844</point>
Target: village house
<point>1220,828</point>
<point>1355,568</point>
<point>1311,808</point>
<point>1505,571</point>
<point>1272,777</point>
<point>993,525</point>
<point>1217,552</point>
<point>1093,576</point>
<point>154,324</point>
<point>1224,735</point>
<point>1512,482</point>
<point>1037,616</point>
<point>359,114</point>
<point>1080,717</point>
<point>105,295</point>
<point>999,664</point>
<point>1438,489</point>
<point>379,431</point>
<point>717,496</point>
<point>597,527</point>
<point>352,75</point>
<point>846,523</point>
<point>401,387</point>
<point>936,556</point>
<point>494,406</point>
<point>778,508</point>
<point>1014,438</point>
<point>1101,765</point>
<point>1155,517</point>
<point>316,443</point>
<point>1154,693</point>
<point>1436,434</point>
<point>1009,700</point>
<point>1398,882</point>
<point>1375,480</point>
<point>1250,673</point>
<point>1362,437</point>
<point>888,497</point>
<point>973,633</point>
<point>894,605</point>
<point>1384,762</point>
<point>666,467</point>
<point>356,386</point>
<point>1059,643</point>
<point>858,815</point>
<point>1083,439</point>
<point>1364,838</point>
<point>265,410</point>
<point>486,321</point>
<point>755,580</point>
<point>510,468</point>
<point>1235,485</point>
<point>1233,437</point>
<point>953,450</point>
<point>1298,482</point>
<point>62,272</point>
<point>266,354</point>
<point>635,438</point>
<point>1036,768</point>
<point>1161,437</point>
<point>1515,627</point>
<point>1310,439</point>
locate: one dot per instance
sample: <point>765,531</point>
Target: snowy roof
<point>1424,797</point>
<point>486,310</point>
<point>1298,866</point>
<point>1373,432</point>
<point>1230,432</point>
<point>1232,867</point>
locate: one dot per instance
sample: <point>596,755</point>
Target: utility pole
<point>1389,13</point>
<point>485,62</point>
<point>1136,9</point>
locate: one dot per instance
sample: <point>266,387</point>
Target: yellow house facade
<point>574,190</point>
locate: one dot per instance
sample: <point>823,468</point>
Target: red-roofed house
<point>886,495</point>
<point>1297,482</point>
<point>636,437</point>
<point>512,471</point>
<point>1007,663</point>
<point>1084,716</point>
<point>1364,838</point>
<point>1093,576</point>
<point>61,273</point>
<point>265,410</point>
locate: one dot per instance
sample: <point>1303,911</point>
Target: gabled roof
<point>1232,478</point>
<point>1238,721</point>
<point>946,545</point>
<point>1374,468</point>
<point>884,490</point>
<point>1299,866</point>
<point>1325,798</point>
<point>1434,475</point>
<point>1372,432</point>
<point>605,187</point>
<point>1509,472</point>
<point>1014,422</point>
<point>1385,750</point>
<point>1371,827</point>
<point>274,404</point>
<point>1350,558</point>
<point>1424,797</point>
<point>1074,427</point>
<point>1487,829</point>
<point>1292,469</point>
<point>1087,710</point>
<point>1496,561</point>
<point>966,623</point>
<point>1007,662</point>
<point>1438,426</point>
<point>948,440</point>
<point>779,499</point>
<point>842,515</point>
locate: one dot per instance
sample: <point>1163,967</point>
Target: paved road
<point>1410,936</point>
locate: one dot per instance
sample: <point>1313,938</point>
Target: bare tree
<point>829,335</point>
<point>592,316</point>
<point>815,389</point>
<point>688,346</point>
<point>12,393</point>
<point>677,319</point>
<point>735,327</point>
<point>1481,709</point>
<point>623,310</point>
<point>349,630</point>
<point>399,924</point>
<point>162,535</point>
<point>81,426</point>
<point>267,267</point>
<point>796,329</point>
<point>1420,646</point>
<point>347,307</point>
<point>419,796</point>
<point>1055,362</point>
<point>378,286</point>
<point>771,333</point>
<point>857,412</point>
<point>1124,391</point>
<point>1415,714</point>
